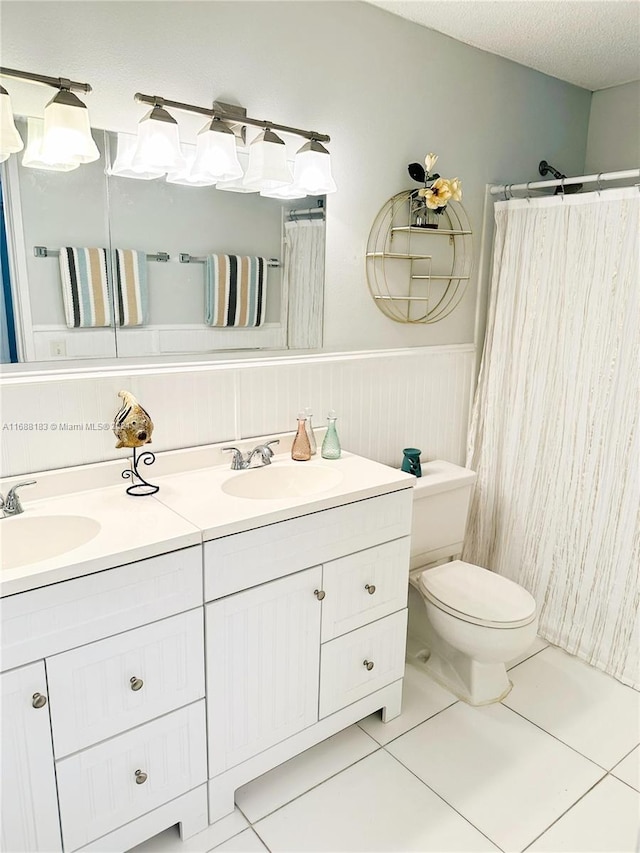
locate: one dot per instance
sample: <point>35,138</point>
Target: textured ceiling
<point>592,43</point>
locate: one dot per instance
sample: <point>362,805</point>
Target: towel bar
<point>44,252</point>
<point>186,258</point>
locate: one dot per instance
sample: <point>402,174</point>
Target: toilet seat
<point>477,595</point>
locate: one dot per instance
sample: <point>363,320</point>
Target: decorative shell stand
<point>415,275</point>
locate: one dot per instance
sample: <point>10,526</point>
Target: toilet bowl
<point>465,622</point>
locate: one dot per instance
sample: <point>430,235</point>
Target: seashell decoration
<point>132,425</point>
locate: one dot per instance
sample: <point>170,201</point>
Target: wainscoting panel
<point>385,400</point>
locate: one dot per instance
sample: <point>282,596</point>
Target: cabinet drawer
<point>98,790</point>
<point>104,688</point>
<point>364,586</point>
<point>55,618</point>
<point>344,678</point>
<point>238,562</point>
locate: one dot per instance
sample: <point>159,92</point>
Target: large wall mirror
<point>167,231</point>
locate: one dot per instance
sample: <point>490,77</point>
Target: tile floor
<point>554,767</point>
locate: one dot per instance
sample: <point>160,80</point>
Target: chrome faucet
<point>240,462</point>
<point>11,504</point>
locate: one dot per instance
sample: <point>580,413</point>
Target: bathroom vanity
<point>140,693</point>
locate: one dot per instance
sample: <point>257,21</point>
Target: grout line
<point>555,737</point>
<point>426,720</point>
<point>618,779</point>
<point>563,814</point>
<point>532,655</point>
<point>440,797</point>
<point>261,839</point>
<point>624,757</point>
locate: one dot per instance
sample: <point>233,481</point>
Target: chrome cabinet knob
<point>38,700</point>
<point>136,683</point>
<point>368,664</point>
<point>141,777</point>
<point>370,588</point>
<point>319,594</point>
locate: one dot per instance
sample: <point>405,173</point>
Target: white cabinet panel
<point>98,787</point>
<point>238,562</point>
<point>345,671</point>
<point>29,798</point>
<point>364,586</point>
<point>54,618</point>
<point>262,667</point>
<point>104,688</point>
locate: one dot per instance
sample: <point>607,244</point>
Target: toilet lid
<point>478,595</point>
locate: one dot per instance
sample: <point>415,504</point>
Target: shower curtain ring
<point>599,182</point>
<point>562,187</point>
<point>528,192</point>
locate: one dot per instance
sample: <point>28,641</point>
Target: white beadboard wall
<point>385,400</point>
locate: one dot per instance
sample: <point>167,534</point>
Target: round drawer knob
<point>136,683</point>
<point>141,777</point>
<point>370,588</point>
<point>368,664</point>
<point>38,700</point>
<point>319,594</point>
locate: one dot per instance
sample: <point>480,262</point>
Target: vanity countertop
<point>192,506</point>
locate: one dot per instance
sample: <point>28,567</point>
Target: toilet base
<point>471,681</point>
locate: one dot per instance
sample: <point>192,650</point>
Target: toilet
<point>465,622</point>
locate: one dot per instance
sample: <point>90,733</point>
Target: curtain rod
<point>583,179</point>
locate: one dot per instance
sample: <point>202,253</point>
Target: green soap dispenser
<point>331,444</point>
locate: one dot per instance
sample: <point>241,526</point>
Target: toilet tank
<point>441,500</point>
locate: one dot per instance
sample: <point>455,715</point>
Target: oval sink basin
<point>282,481</point>
<point>28,539</point>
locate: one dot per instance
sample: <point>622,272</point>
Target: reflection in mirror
<point>162,294</point>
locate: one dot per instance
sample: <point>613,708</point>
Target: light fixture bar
<point>54,82</point>
<point>229,113</point>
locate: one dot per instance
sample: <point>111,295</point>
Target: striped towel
<point>235,290</point>
<point>85,287</point>
<point>132,291</point>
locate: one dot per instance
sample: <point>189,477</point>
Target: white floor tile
<point>629,769</point>
<point>606,820</point>
<point>246,842</point>
<point>169,841</point>
<point>286,782</point>
<point>421,698</point>
<point>374,805</point>
<point>587,709</point>
<point>537,646</point>
<point>508,778</point>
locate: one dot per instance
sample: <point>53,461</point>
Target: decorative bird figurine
<point>132,425</point>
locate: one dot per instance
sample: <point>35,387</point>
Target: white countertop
<point>191,507</point>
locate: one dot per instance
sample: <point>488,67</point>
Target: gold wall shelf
<point>408,285</point>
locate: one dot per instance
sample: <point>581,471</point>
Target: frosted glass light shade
<point>67,131</point>
<point>185,175</point>
<point>10,139</point>
<point>267,168</point>
<point>312,169</point>
<point>122,168</point>
<point>216,157</point>
<point>158,143</point>
<point>289,191</point>
<point>237,185</point>
<point>32,157</point>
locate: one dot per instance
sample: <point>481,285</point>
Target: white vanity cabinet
<point>29,798</point>
<point>118,752</point>
<point>306,634</point>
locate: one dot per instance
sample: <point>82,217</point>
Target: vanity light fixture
<point>186,175</point>
<point>312,169</point>
<point>216,156</point>
<point>268,169</point>
<point>32,157</point>
<point>66,140</point>
<point>158,143</point>
<point>289,191</point>
<point>10,139</point>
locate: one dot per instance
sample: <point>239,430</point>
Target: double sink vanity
<point>160,652</point>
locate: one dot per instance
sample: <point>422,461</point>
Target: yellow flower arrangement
<point>437,191</point>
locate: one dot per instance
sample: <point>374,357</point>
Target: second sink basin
<point>28,539</point>
<point>282,481</point>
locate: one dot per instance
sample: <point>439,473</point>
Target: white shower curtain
<point>555,433</point>
<point>304,271</point>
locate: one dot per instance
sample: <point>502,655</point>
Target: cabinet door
<point>263,652</point>
<point>29,798</point>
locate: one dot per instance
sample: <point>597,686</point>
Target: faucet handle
<point>267,446</point>
<point>12,504</point>
<point>237,463</point>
